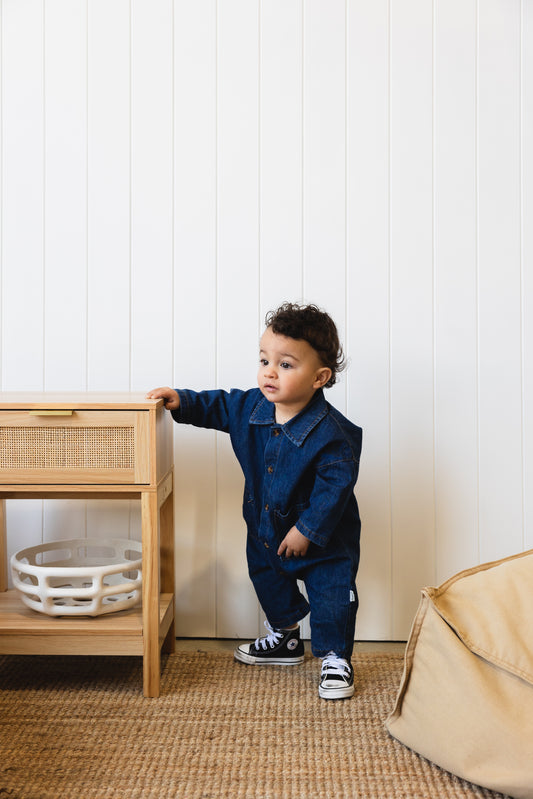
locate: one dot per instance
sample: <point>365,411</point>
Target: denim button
<point>266,545</point>
<point>276,431</point>
<point>270,469</point>
<point>266,506</point>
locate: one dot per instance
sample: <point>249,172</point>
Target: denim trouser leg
<point>333,599</point>
<point>282,601</point>
<point>329,579</point>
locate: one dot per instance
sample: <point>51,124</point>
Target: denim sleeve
<point>210,409</point>
<point>332,491</point>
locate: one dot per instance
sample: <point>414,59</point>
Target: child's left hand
<point>294,544</point>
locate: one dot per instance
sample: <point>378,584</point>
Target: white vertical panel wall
<point>411,302</point>
<point>22,222</point>
<point>171,170</point>
<point>526,231</point>
<point>456,316</point>
<point>500,282</point>
<point>195,323</point>
<point>368,299</point>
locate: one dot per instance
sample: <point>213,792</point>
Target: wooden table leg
<point>150,593</point>
<point>167,563</point>
<point>3,546</point>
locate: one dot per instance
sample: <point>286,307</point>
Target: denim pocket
<point>284,521</point>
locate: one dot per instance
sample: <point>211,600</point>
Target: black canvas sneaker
<point>336,678</point>
<point>278,648</point>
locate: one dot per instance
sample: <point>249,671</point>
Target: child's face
<point>290,372</point>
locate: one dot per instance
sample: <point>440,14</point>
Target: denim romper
<point>301,473</point>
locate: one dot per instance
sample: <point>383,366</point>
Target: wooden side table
<point>92,446</point>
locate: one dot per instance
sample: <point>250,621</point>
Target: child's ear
<point>322,377</point>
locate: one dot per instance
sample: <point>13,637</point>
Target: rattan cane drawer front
<point>73,447</point>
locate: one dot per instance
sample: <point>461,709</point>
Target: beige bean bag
<point>466,697</point>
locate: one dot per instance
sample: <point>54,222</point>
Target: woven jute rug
<point>79,728</point>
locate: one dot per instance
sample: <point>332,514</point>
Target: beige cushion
<point>466,697</point>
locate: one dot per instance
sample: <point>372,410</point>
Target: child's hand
<point>294,544</point>
<point>171,397</point>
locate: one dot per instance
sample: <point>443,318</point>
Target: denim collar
<point>298,428</point>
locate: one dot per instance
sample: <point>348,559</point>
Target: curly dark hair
<point>309,323</point>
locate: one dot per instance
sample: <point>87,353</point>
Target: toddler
<point>300,459</point>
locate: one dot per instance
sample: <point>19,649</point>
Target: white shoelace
<point>270,640</point>
<point>332,664</point>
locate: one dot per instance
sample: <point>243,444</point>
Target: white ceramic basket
<point>79,577</point>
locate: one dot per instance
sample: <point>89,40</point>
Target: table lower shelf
<point>26,632</point>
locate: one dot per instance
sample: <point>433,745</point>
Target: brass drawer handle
<point>50,413</point>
